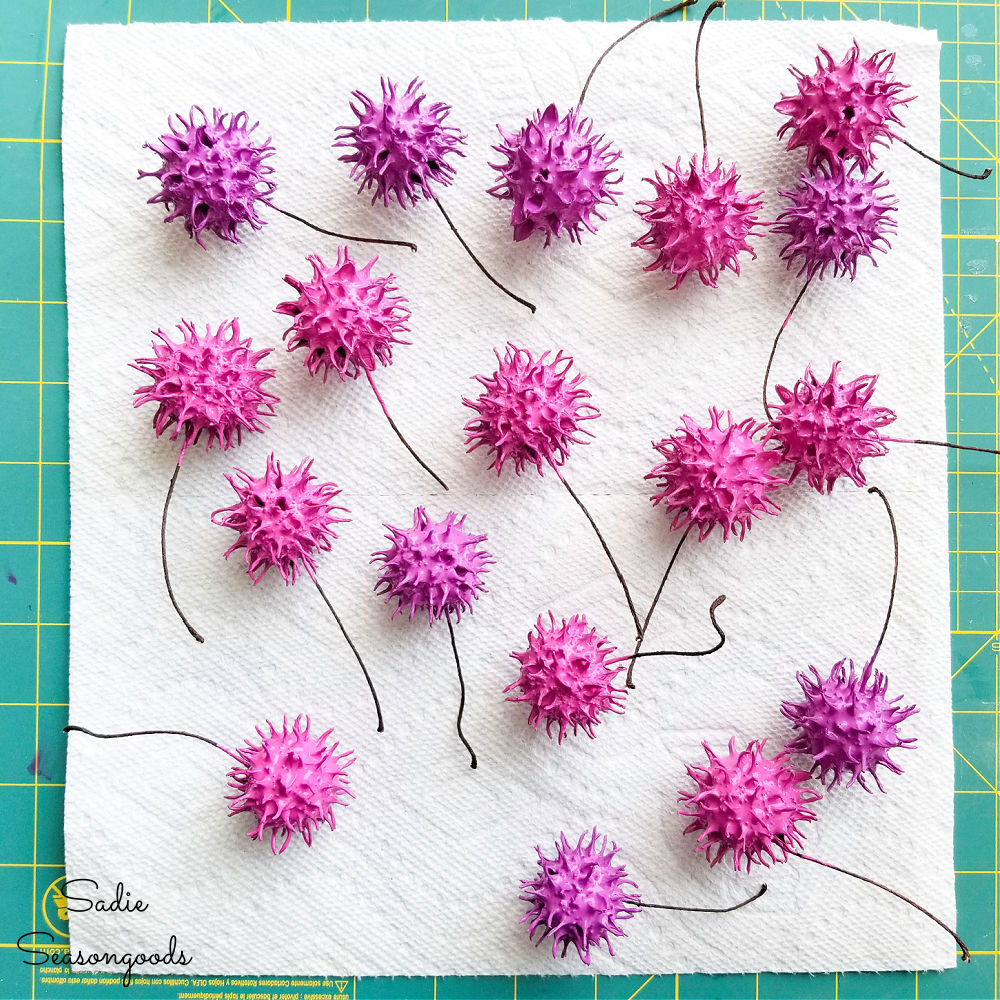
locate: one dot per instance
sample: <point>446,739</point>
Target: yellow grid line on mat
<point>38,560</point>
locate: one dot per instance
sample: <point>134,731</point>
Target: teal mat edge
<point>34,492</point>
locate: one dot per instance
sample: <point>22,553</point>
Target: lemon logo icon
<point>54,908</point>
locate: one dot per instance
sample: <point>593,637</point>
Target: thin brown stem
<point>461,684</point>
<point>774,346</point>
<point>943,444</point>
<point>477,261</point>
<point>895,569</point>
<point>683,652</point>
<point>892,892</point>
<point>715,5</point>
<point>143,732</point>
<point>652,607</point>
<point>607,552</point>
<point>163,557</point>
<point>631,31</point>
<point>707,909</point>
<point>406,444</point>
<point>961,173</point>
<point>344,236</point>
<point>357,655</point>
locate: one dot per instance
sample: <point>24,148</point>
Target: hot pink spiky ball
<point>283,519</point>
<point>557,173</point>
<point>698,221</point>
<point>833,219</point>
<point>531,411</point>
<point>213,173</point>
<point>206,384</point>
<point>719,475</point>
<point>847,725</point>
<point>826,429</point>
<point>748,804</point>
<point>565,679</point>
<point>844,109</point>
<point>290,781</point>
<point>400,144</point>
<point>579,897</point>
<point>435,565</point>
<point>346,319</point>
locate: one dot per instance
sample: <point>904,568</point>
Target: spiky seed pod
<point>213,173</point>
<point>400,145</point>
<point>283,519</point>
<point>346,319</point>
<point>698,221</point>
<point>435,565</point>
<point>833,219</point>
<point>206,384</point>
<point>557,173</point>
<point>564,677</point>
<point>843,110</point>
<point>847,725</point>
<point>579,897</point>
<point>290,781</point>
<point>826,429</point>
<point>531,411</point>
<point>748,804</point>
<point>719,475</point>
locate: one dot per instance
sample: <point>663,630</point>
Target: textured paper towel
<point>421,875</point>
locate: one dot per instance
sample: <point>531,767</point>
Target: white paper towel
<point>421,875</point>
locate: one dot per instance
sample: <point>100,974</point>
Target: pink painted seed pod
<point>843,110</point>
<point>698,222</point>
<point>290,781</point>
<point>826,429</point>
<point>747,803</point>
<point>565,679</point>
<point>531,411</point>
<point>579,897</point>
<point>206,385</point>
<point>283,519</point>
<point>346,319</point>
<point>717,475</point>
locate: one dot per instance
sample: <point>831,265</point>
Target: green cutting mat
<point>34,495</point>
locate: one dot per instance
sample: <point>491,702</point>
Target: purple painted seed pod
<point>557,173</point>
<point>579,897</point>
<point>213,173</point>
<point>400,145</point>
<point>847,725</point>
<point>435,565</point>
